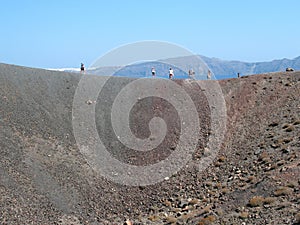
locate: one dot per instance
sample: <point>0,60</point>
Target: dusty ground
<point>44,179</point>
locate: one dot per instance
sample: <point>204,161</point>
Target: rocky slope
<point>45,179</point>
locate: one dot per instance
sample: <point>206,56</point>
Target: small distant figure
<point>289,69</point>
<point>208,75</point>
<point>191,73</point>
<point>153,72</point>
<point>171,73</point>
<point>238,75</point>
<point>82,68</point>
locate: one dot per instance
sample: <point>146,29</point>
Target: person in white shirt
<point>153,71</point>
<point>171,73</point>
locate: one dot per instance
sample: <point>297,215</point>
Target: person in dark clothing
<point>82,68</point>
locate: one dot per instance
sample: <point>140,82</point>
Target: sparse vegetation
<point>260,200</point>
<point>207,220</point>
<point>269,200</point>
<point>153,218</point>
<point>225,190</point>
<point>250,179</point>
<point>256,201</point>
<point>171,219</point>
<point>292,184</point>
<point>283,191</point>
<point>264,156</point>
<point>244,215</point>
<point>194,201</point>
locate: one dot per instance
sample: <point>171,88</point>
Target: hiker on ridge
<point>171,73</point>
<point>153,71</point>
<point>82,68</point>
<point>208,75</point>
<point>191,74</point>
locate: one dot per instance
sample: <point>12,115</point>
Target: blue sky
<point>53,34</point>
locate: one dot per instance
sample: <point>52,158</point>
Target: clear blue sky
<point>53,34</point>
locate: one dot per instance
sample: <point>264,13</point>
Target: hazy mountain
<point>220,68</point>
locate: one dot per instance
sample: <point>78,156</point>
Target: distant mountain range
<point>220,68</point>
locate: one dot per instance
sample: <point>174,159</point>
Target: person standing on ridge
<point>208,75</point>
<point>191,74</point>
<point>82,68</point>
<point>171,73</point>
<point>153,72</point>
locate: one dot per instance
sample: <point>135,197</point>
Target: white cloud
<point>65,69</point>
